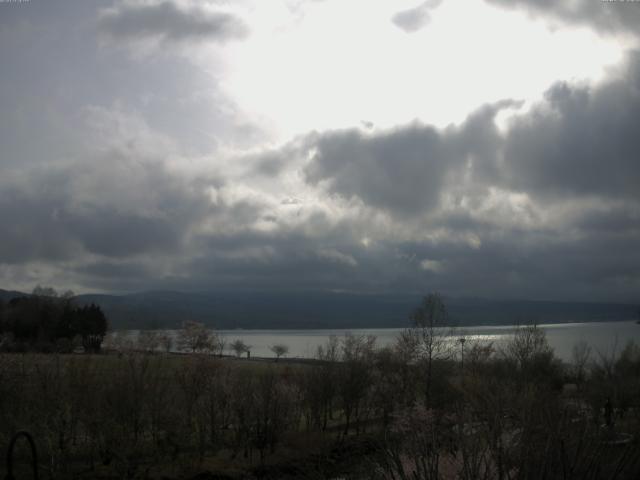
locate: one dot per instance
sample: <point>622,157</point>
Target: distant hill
<point>332,310</point>
<point>255,310</point>
<point>6,295</point>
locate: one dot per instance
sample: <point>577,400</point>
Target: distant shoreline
<point>347,329</point>
<point>303,343</point>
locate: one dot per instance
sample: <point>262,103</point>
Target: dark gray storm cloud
<point>607,16</point>
<point>67,212</point>
<point>414,158</point>
<point>584,141</point>
<point>403,170</point>
<point>28,229</point>
<point>167,21</point>
<point>523,264</point>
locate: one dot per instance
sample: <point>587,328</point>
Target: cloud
<point>552,199</point>
<point>373,167</point>
<point>73,210</point>
<point>117,198</point>
<point>545,208</point>
<point>434,266</point>
<point>582,141</point>
<point>606,16</point>
<point>26,216</point>
<point>102,185</point>
<point>168,21</point>
<point>413,19</point>
<point>334,255</point>
<point>402,170</point>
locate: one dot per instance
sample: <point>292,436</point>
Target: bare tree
<point>40,291</point>
<point>321,383</point>
<point>239,347</point>
<point>119,341</point>
<point>580,355</point>
<point>532,358</point>
<point>528,343</point>
<point>607,359</point>
<point>166,342</point>
<point>405,353</point>
<point>279,350</point>
<point>413,449</point>
<point>148,341</point>
<point>430,340</point>
<point>195,337</point>
<point>355,378</point>
<point>331,351</point>
<point>274,411</point>
<point>219,342</point>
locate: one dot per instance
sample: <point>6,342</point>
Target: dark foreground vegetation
<point>426,408</point>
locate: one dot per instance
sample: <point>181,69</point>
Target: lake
<point>603,337</point>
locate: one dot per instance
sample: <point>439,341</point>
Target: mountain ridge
<point>315,310</point>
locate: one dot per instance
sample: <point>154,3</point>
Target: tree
<point>149,341</point>
<point>580,355</point>
<point>195,337</point>
<point>320,384</point>
<point>355,377</point>
<point>428,319</point>
<point>532,357</point>
<point>527,344</point>
<point>219,343</point>
<point>120,342</point>
<point>44,320</point>
<point>40,291</point>
<point>239,347</point>
<point>274,411</point>
<point>91,324</point>
<point>166,342</point>
<point>2,315</point>
<point>279,350</point>
<point>413,448</point>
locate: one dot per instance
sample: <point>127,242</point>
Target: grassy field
<point>160,415</point>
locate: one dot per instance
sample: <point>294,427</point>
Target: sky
<point>485,148</point>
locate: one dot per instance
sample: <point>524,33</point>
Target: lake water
<point>604,337</point>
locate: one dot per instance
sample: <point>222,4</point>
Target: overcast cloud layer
<point>127,164</point>
<point>169,22</point>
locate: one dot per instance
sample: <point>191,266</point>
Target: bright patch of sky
<point>336,64</point>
